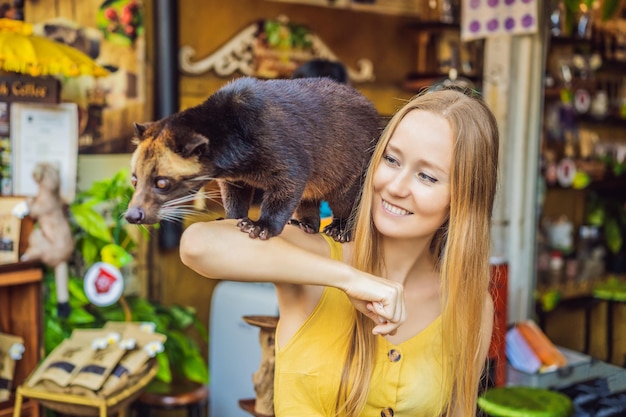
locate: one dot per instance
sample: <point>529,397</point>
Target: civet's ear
<point>140,129</point>
<point>197,144</point>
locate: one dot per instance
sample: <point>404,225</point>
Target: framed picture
<point>44,133</point>
<point>10,230</point>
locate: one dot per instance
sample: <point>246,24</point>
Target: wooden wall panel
<point>76,10</point>
<point>351,35</point>
<point>68,8</point>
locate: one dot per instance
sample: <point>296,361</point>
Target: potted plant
<point>102,234</point>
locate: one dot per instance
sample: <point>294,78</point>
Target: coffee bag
<point>141,347</point>
<point>105,355</point>
<point>11,350</point>
<point>62,364</point>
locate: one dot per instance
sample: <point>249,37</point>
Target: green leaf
<point>272,32</point>
<point>572,5</point>
<point>612,235</point>
<point>178,341</point>
<point>80,316</point>
<point>609,8</point>
<point>77,291</point>
<point>89,248</point>
<point>53,334</point>
<point>201,329</point>
<point>195,368</point>
<point>596,217</point>
<point>91,221</point>
<point>164,373</point>
<point>115,255</point>
<point>619,168</point>
<point>162,322</point>
<point>142,309</point>
<point>182,317</point>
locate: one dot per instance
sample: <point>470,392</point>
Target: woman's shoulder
<point>488,307</point>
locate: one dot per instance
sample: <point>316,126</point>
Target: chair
<point>525,402</point>
<point>78,405</point>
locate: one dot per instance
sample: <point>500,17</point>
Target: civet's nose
<point>135,215</point>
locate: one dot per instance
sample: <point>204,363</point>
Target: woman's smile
<point>395,210</point>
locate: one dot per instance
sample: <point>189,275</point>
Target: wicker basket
<point>78,405</point>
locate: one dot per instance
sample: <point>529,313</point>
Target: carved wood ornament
<point>263,378</point>
<point>238,55</point>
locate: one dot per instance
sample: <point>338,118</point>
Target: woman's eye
<point>426,178</point>
<point>390,160</point>
<point>162,183</point>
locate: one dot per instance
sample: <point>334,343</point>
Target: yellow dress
<point>406,380</point>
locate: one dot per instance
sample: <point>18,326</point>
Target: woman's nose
<point>399,184</point>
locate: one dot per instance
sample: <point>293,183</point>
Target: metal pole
<point>166,58</point>
<point>166,95</point>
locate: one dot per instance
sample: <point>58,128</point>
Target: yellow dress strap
<point>336,251</point>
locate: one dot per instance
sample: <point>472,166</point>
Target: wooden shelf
<point>21,315</point>
<point>613,186</point>
<point>401,8</point>
<point>416,82</point>
<point>570,41</point>
<point>609,119</point>
<point>248,406</point>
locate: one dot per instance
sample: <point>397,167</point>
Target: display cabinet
<point>583,176</point>
<point>581,226</point>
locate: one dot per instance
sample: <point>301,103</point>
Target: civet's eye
<point>162,183</point>
<point>133,180</point>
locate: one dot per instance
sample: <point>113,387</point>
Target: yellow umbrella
<point>23,52</point>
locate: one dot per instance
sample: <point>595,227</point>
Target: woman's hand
<point>379,299</point>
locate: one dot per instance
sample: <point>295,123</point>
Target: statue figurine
<point>51,241</point>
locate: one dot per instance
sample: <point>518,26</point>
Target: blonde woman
<point>397,322</point>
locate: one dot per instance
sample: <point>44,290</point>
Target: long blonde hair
<point>461,245</point>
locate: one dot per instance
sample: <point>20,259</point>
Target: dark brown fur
<point>301,141</point>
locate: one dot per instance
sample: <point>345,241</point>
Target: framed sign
<point>10,230</point>
<point>44,133</point>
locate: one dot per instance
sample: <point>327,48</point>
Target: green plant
<point>283,35</point>
<point>609,8</point>
<point>101,234</point>
<point>610,214</point>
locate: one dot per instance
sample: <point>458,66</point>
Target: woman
<point>398,321</point>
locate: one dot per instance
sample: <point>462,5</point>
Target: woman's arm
<point>220,250</point>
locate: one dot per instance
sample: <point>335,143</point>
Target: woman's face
<point>412,181</point>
